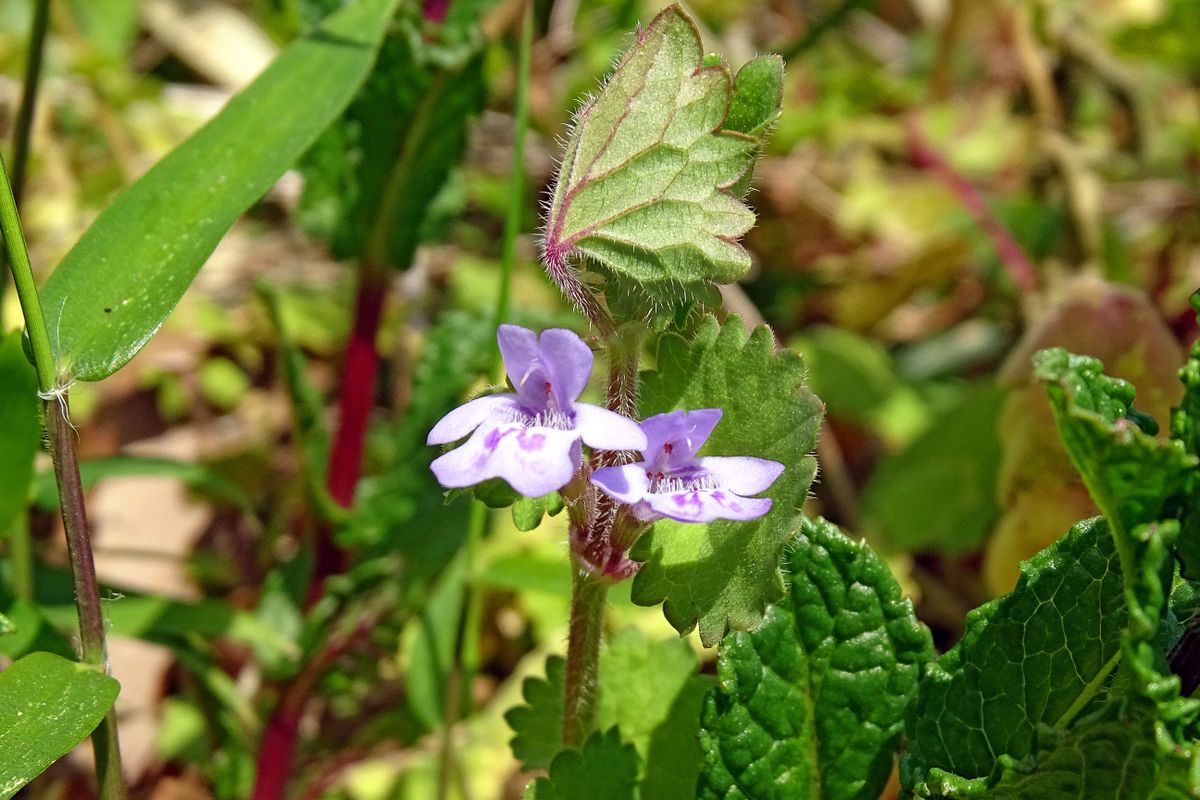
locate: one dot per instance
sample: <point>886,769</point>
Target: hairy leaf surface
<point>648,185</point>
<point>723,575</point>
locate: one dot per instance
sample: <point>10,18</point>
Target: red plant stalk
<point>1012,256</point>
<point>278,748</point>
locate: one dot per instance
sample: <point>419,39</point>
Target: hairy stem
<point>588,593</point>
<point>60,436</point>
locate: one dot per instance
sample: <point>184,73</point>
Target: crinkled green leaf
<point>118,283</point>
<point>1109,757</point>
<point>723,575</point>
<point>1128,472</point>
<point>1185,428</point>
<point>47,706</point>
<point>1135,479</point>
<point>604,769</point>
<point>647,188</point>
<point>1039,654</point>
<point>812,703</point>
<point>537,725</point>
<point>20,428</point>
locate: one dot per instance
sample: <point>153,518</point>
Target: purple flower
<point>531,438</point>
<point>672,482</point>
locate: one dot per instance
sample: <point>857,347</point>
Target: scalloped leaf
<point>722,575</point>
<point>604,769</point>
<point>649,188</point>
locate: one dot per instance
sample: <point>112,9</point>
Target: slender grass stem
<point>466,645</point>
<point>23,126</point>
<point>21,552</point>
<point>24,122</point>
<point>60,436</point>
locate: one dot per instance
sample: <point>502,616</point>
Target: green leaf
<point>722,575</point>
<point>646,190</point>
<point>605,769</point>
<point>1185,428</point>
<point>812,703</point>
<point>650,690</point>
<point>197,477</point>
<point>1038,655</point>
<point>527,512</point>
<point>48,705</point>
<point>431,651</point>
<point>940,492</point>
<point>1130,475</point>
<point>371,178</point>
<point>172,622</point>
<point>29,630</point>
<point>1108,757</point>
<point>116,286</point>
<point>538,723</point>
<point>20,428</point>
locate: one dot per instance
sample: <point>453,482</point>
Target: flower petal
<point>742,474</point>
<point>467,417</point>
<point>689,428</point>
<point>518,348</point>
<point>627,483</point>
<point>568,362</point>
<point>534,460</point>
<point>607,430</point>
<point>706,506</point>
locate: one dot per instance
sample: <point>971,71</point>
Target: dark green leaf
<point>940,492</point>
<point>649,690</point>
<point>1038,655</point>
<point>48,705</point>
<point>371,179</point>
<point>812,703</point>
<point>605,769</point>
<point>116,286</point>
<point>20,428</point>
<point>1185,428</point>
<point>722,575</point>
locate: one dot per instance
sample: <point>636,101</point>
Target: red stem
<point>1019,267</point>
<point>358,390</point>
